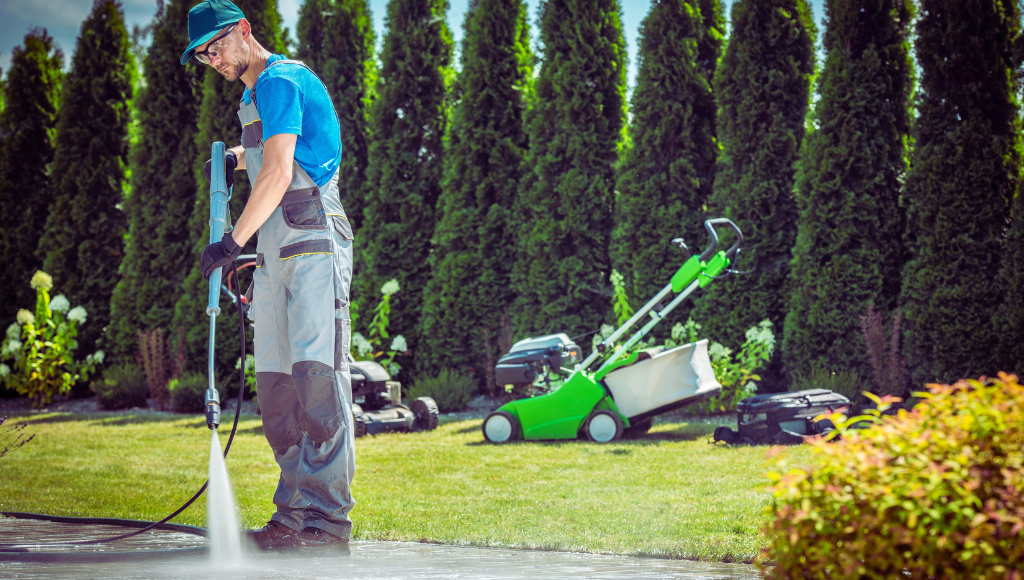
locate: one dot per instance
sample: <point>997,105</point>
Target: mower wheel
<point>425,410</point>
<point>359,429</point>
<point>500,427</point>
<point>603,426</point>
<point>639,429</point>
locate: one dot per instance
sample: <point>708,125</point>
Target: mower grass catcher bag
<point>782,418</point>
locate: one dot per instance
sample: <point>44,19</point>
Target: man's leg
<point>283,419</point>
<point>282,414</point>
<point>326,458</point>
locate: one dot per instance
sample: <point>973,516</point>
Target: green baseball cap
<point>205,20</point>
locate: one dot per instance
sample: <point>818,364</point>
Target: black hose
<point>231,437</point>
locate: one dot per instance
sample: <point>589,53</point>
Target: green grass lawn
<point>667,494</point>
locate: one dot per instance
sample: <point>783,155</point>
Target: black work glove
<point>230,163</point>
<point>218,254</point>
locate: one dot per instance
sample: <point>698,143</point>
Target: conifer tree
<point>709,45</point>
<point>471,262</point>
<point>158,255</point>
<point>218,121</point>
<point>849,252</point>
<point>83,240</point>
<point>336,40</point>
<point>32,92</point>
<point>1009,319</point>
<point>964,172</point>
<point>407,122</point>
<point>762,87</point>
<point>667,170</point>
<point>565,203</point>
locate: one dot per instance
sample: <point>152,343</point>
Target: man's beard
<point>235,72</point>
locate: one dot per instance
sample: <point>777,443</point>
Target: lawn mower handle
<point>709,225</point>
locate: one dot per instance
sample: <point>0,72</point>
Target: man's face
<point>229,54</point>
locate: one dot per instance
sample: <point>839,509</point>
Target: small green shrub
<point>620,300</point>
<point>937,492</point>
<point>188,393</point>
<point>451,390</point>
<point>847,383</point>
<point>41,345</point>
<point>377,347</point>
<point>121,387</point>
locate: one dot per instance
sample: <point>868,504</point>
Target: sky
<point>63,20</point>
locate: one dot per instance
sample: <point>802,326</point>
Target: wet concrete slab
<point>390,560</point>
<point>363,560</point>
<point>23,533</point>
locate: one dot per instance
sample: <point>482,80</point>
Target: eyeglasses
<point>214,47</point>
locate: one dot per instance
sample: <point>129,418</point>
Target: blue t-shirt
<point>290,99</point>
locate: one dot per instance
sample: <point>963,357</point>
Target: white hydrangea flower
<point>393,369</point>
<point>719,352</point>
<point>398,344</point>
<point>389,287</point>
<point>4,370</point>
<point>616,278</point>
<point>14,331</point>
<point>78,314</point>
<point>99,356</point>
<point>361,345</point>
<point>763,334</point>
<point>11,347</point>
<point>60,303</point>
<point>25,317</point>
<point>41,280</point>
<point>605,332</point>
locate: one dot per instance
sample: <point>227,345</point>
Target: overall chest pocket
<point>305,215</point>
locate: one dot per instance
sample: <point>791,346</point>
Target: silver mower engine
<point>534,361</point>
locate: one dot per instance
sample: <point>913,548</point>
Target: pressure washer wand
<point>218,226</point>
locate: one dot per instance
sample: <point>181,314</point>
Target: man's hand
<point>230,163</point>
<point>218,254</point>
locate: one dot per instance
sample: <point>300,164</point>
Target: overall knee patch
<point>318,393</point>
<point>282,413</point>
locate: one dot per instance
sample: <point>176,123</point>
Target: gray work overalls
<point>302,335</point>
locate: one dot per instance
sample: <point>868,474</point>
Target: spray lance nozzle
<point>212,408</point>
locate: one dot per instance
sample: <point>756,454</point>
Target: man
<point>291,149</point>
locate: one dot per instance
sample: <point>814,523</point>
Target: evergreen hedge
<point>565,202</point>
<point>407,121</point>
<point>336,40</point>
<point>466,299</point>
<point>762,87</point>
<point>32,94</point>
<point>1009,318</point>
<point>83,241</point>
<point>964,172</point>
<point>667,170</point>
<point>218,121</point>
<point>849,251</point>
<point>163,186</point>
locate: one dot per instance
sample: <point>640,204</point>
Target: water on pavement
<point>363,560</point>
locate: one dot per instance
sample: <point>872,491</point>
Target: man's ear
<point>244,28</point>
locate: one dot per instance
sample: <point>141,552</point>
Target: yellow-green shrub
<point>937,492</point>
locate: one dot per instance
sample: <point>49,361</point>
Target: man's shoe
<point>311,537</point>
<point>273,536</point>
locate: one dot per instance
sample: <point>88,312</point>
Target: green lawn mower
<point>628,389</point>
